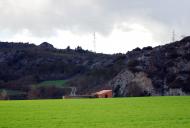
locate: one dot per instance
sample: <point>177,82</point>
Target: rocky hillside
<point>24,65</point>
<point>163,70</point>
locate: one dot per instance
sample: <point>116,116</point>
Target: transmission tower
<point>94,41</point>
<point>173,36</point>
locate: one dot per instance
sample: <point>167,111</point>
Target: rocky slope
<point>23,65</point>
<point>163,70</point>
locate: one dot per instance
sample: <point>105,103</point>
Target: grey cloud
<point>43,17</point>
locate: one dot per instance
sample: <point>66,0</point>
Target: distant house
<point>100,94</point>
<point>104,94</point>
<point>78,97</point>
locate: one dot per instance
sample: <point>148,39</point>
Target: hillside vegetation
<point>152,112</point>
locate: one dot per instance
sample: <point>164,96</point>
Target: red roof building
<point>104,94</point>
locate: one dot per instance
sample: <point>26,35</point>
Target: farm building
<point>78,97</point>
<point>104,94</point>
<point>100,94</point>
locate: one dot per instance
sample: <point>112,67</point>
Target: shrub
<point>137,49</point>
<point>4,95</point>
<point>147,48</point>
<point>132,63</point>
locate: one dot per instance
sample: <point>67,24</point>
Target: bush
<point>132,63</point>
<point>187,56</point>
<point>147,48</point>
<point>4,95</point>
<point>137,49</point>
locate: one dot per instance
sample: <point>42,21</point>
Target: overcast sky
<point>120,25</point>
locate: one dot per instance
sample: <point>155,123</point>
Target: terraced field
<point>148,112</point>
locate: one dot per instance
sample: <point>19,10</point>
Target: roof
<point>103,91</point>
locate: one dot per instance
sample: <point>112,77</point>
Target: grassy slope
<point>152,112</point>
<point>57,83</point>
<point>12,92</point>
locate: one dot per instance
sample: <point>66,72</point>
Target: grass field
<point>151,112</point>
<point>57,83</point>
<point>12,92</point>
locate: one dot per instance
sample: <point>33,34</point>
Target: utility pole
<point>94,41</point>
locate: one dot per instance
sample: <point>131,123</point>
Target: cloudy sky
<point>120,25</point>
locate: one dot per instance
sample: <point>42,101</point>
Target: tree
<point>68,48</point>
<point>4,95</point>
<point>33,93</point>
<point>79,49</point>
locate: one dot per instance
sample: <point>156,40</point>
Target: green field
<point>151,112</point>
<point>57,83</point>
<point>12,92</point>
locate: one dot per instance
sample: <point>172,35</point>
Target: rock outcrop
<point>128,83</point>
<point>166,67</point>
